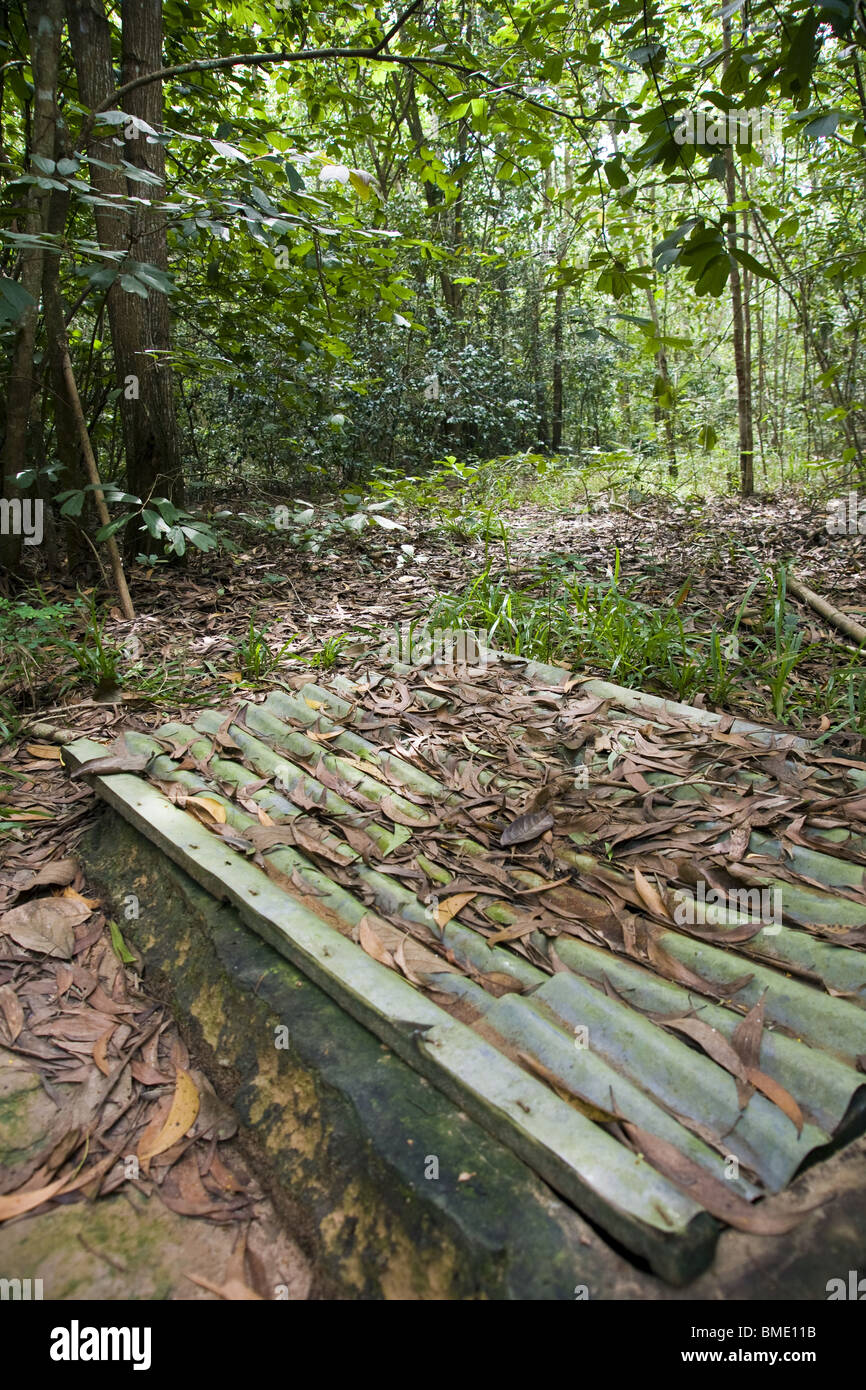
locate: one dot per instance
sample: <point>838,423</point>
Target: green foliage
<point>173,527</point>
<point>554,616</point>
<point>98,659</point>
<point>33,636</point>
<point>345,516</point>
<point>255,655</point>
<point>328,654</point>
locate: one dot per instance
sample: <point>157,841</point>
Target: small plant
<point>30,636</point>
<point>312,528</point>
<point>326,657</point>
<point>9,721</point>
<point>256,657</point>
<point>97,658</point>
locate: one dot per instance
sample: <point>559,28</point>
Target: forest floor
<point>209,635</point>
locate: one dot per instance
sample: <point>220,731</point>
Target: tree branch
<point>305,55</point>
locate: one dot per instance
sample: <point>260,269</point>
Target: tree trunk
<point>45,27</point>
<point>664,402</point>
<point>556,421</point>
<point>153,462</point>
<point>139,328</point>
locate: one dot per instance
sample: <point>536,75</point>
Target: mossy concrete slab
<point>129,1246</point>
<point>28,1117</point>
<point>344,1134</point>
<point>393,1191</point>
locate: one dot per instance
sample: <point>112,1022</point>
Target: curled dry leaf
<point>650,895</point>
<point>122,761</point>
<point>372,944</point>
<point>13,1014</point>
<point>713,1194</point>
<point>400,962</point>
<point>45,925</point>
<point>58,873</point>
<point>16,1203</point>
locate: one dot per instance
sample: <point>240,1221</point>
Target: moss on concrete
<point>342,1131</point>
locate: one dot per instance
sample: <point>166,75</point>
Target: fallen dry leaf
<point>45,925</point>
<point>213,809</point>
<point>526,828</point>
<point>45,750</point>
<point>449,907</point>
<point>181,1117</point>
<point>372,944</point>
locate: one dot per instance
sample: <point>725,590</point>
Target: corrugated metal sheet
<point>607,1024</point>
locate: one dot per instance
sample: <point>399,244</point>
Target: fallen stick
<point>51,733</point>
<point>833,615</point>
<point>93,474</point>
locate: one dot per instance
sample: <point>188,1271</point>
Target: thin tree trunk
<point>556,422</point>
<point>93,474</point>
<point>742,362</point>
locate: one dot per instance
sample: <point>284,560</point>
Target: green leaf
<point>73,504</point>
<point>229,151</point>
<point>133,286</point>
<point>112,528</point>
<point>754,266</point>
<point>154,522</point>
<point>823,126</point>
<point>14,300</point>
<point>121,950</point>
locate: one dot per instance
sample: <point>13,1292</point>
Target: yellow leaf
<point>361,183</point>
<point>214,809</point>
<point>45,750</point>
<point>89,903</point>
<point>450,907</point>
<point>181,1117</point>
